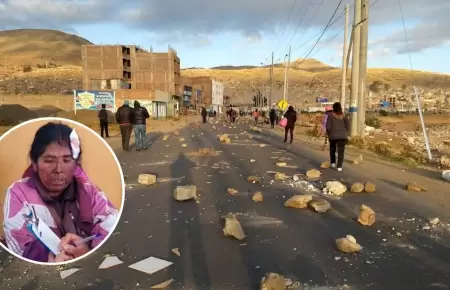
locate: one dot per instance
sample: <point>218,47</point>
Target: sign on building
<point>321,100</point>
<point>93,100</point>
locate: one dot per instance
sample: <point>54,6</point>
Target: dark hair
<point>291,108</point>
<point>137,104</point>
<point>337,108</point>
<point>48,134</point>
<point>103,106</point>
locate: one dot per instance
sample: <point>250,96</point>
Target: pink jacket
<point>95,210</point>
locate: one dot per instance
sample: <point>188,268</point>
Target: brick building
<point>136,67</point>
<point>201,88</point>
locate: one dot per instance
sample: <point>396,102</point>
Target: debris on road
<point>66,273</point>
<point>357,187</point>
<point>358,160</point>
<point>252,160</point>
<point>313,174</point>
<point>446,175</point>
<point>272,281</point>
<point>257,129</point>
<point>320,205</point>
<point>348,244</point>
<point>413,186</point>
<point>150,265</point>
<point>109,262</point>
<point>434,221</point>
<point>224,139</point>
<point>369,187</point>
<point>176,133</point>
<point>233,227</point>
<point>280,176</point>
<point>147,179</point>
<point>165,137</point>
<point>298,201</point>
<point>254,179</point>
<point>163,285</point>
<point>257,197</point>
<point>366,216</point>
<point>184,145</point>
<point>232,191</point>
<point>185,192</point>
<point>281,164</point>
<point>325,165</point>
<point>335,188</point>
<point>176,251</point>
<point>181,139</point>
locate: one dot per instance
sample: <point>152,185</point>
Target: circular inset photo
<point>61,191</point>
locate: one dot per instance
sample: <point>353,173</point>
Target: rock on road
<point>399,251</point>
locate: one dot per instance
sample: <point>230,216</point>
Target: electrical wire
<point>309,24</point>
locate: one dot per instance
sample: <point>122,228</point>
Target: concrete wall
<point>97,161</point>
<point>64,102</point>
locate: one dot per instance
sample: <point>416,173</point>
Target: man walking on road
<point>123,117</point>
<point>138,118</point>
<point>291,116</point>
<point>204,114</point>
<point>337,130</point>
<point>272,116</point>
<point>103,118</point>
<point>233,115</point>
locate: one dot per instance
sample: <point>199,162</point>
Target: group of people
<point>232,115</point>
<point>129,119</point>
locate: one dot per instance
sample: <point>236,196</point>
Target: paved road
<point>398,253</point>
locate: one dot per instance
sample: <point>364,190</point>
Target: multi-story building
<point>137,67</point>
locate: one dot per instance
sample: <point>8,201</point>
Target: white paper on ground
<point>109,262</point>
<point>150,265</point>
<point>66,273</point>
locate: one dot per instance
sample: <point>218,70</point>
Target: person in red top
<point>256,115</point>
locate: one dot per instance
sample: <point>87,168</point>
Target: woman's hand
<point>61,257</point>
<point>68,245</point>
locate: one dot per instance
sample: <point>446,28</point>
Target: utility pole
<point>286,76</point>
<point>363,66</point>
<point>355,69</point>
<point>344,58</point>
<point>271,84</point>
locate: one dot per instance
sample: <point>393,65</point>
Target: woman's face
<point>55,168</point>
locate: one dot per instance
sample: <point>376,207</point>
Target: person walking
<point>291,117</point>
<point>103,118</point>
<point>139,115</point>
<point>337,131</point>
<point>123,117</point>
<point>272,116</point>
<point>204,114</point>
<point>328,111</point>
<point>256,116</point>
<point>233,115</point>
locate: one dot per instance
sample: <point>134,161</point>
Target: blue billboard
<point>321,100</point>
<point>93,100</point>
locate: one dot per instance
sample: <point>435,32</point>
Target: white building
<point>217,96</point>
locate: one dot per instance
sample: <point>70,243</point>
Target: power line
<point>312,19</point>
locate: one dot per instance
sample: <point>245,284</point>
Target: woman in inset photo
<point>55,192</point>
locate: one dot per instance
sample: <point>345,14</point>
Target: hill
<point>311,65</point>
<point>33,47</point>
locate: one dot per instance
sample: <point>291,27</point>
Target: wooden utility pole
<point>355,70</point>
<point>344,58</point>
<point>271,84</point>
<point>286,76</point>
<point>363,67</point>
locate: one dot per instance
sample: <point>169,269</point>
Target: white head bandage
<point>75,144</point>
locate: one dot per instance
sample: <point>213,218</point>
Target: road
<point>298,243</point>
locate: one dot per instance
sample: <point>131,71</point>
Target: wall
<point>64,102</point>
<point>98,162</point>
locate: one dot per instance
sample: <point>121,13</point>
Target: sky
<point>208,33</point>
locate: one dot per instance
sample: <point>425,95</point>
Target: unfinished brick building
<point>138,68</point>
<point>204,84</point>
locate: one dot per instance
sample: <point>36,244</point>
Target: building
<point>137,68</point>
<point>197,91</point>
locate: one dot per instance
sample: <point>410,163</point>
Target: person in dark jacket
<point>328,111</point>
<point>337,131</point>
<point>272,116</point>
<point>138,118</point>
<point>204,114</point>
<point>291,116</point>
<point>233,115</point>
<point>123,117</point>
<point>103,118</point>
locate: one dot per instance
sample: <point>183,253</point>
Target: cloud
<point>428,20</point>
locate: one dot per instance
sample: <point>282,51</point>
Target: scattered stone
<point>233,227</point>
<point>295,178</point>
<point>335,188</point>
<point>181,139</point>
<point>257,197</point>
<point>434,221</point>
<point>369,187</point>
<point>358,160</point>
<point>185,192</point>
<point>147,179</point>
<point>313,174</point>
<point>257,129</point>
<point>272,281</point>
<point>298,201</point>
<point>167,146</point>
<point>232,191</point>
<point>413,186</point>
<point>325,165</point>
<point>320,205</point>
<point>184,145</point>
<point>446,175</point>
<point>252,160</point>
<point>253,179</point>
<point>281,164</point>
<point>357,187</point>
<point>176,133</point>
<point>207,151</point>
<point>165,137</point>
<point>366,216</point>
<point>280,176</point>
<point>176,251</point>
<point>224,139</point>
<point>348,245</point>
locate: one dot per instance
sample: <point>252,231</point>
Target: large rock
<point>348,245</point>
<point>147,179</point>
<point>298,201</point>
<point>446,175</point>
<point>335,188</point>
<point>320,205</point>
<point>369,187</point>
<point>413,186</point>
<point>272,281</point>
<point>313,174</point>
<point>185,192</point>
<point>357,187</point>
<point>366,216</point>
<point>233,227</point>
